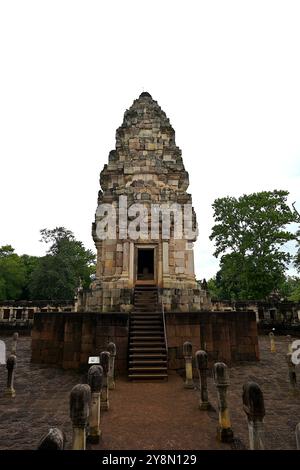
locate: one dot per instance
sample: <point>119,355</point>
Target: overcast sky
<point>227,73</point>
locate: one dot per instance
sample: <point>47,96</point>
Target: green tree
<point>214,289</point>
<point>57,274</point>
<point>250,234</point>
<point>30,263</point>
<point>290,288</point>
<point>12,274</point>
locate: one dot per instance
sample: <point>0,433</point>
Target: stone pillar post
<point>95,377</point>
<point>253,404</point>
<point>54,440</point>
<point>221,378</point>
<point>111,371</point>
<point>99,267</point>
<point>289,343</point>
<point>202,366</point>
<point>14,343</point>
<point>190,260</point>
<point>10,366</point>
<point>165,256</point>
<point>292,370</point>
<point>104,361</point>
<point>272,342</point>
<point>159,265</point>
<point>297,432</point>
<point>131,264</point>
<point>188,354</point>
<point>80,398</point>
<point>125,262</point>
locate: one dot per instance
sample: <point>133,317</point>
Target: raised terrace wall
<point>67,339</point>
<point>226,336</point>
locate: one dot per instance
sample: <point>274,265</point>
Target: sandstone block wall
<point>68,339</point>
<point>226,336</point>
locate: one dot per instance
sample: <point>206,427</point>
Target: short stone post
<point>95,376</point>
<point>202,366</point>
<point>10,366</point>
<point>111,348</point>
<point>297,432</point>
<point>221,378</point>
<point>289,343</point>
<point>54,440</point>
<point>104,361</point>
<point>80,398</point>
<point>272,342</point>
<point>188,355</point>
<point>14,343</point>
<point>253,405</point>
<point>292,370</point>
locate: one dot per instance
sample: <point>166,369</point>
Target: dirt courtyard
<point>154,415</point>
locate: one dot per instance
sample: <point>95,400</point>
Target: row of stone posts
<point>253,402</point>
<point>289,358</point>
<point>86,403</point>
<point>11,363</point>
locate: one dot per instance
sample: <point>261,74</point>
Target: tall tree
<point>12,274</point>
<point>250,234</point>
<point>57,274</point>
<point>290,288</point>
<point>30,263</point>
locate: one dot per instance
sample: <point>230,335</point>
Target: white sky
<point>227,73</point>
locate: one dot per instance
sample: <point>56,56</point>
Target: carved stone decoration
<point>146,167</point>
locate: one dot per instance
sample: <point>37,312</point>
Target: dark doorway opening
<point>145,264</point>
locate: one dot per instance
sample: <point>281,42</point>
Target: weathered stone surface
<point>146,167</point>
<point>54,440</point>
<point>80,398</point>
<point>95,378</point>
<point>254,407</point>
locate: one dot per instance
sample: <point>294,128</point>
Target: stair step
<point>147,355</point>
<point>146,333</point>
<point>147,338</point>
<point>147,369</point>
<point>148,361</point>
<point>149,327</point>
<point>146,321</point>
<point>142,316</point>
<point>147,349</point>
<point>147,376</point>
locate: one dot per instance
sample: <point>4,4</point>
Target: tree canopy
<point>250,236</point>
<point>57,274</point>
<point>12,274</point>
<point>53,276</point>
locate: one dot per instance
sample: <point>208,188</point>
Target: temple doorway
<point>145,266</point>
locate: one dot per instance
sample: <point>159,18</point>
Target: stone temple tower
<point>142,203</point>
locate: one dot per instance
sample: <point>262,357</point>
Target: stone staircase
<point>147,347</point>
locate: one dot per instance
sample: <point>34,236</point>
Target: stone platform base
<point>67,339</point>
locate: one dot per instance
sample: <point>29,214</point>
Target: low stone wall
<point>226,336</point>
<point>68,339</point>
